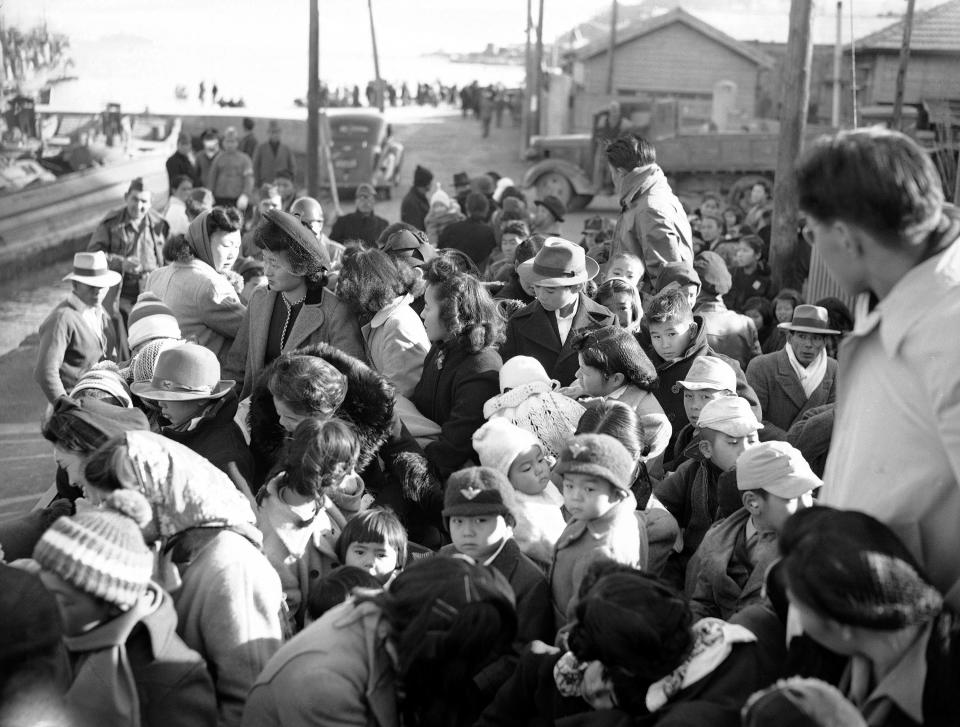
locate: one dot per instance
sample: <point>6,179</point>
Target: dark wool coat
<point>368,409</point>
<point>530,333</point>
<point>451,392</point>
<point>780,393</point>
<point>670,373</point>
<point>218,438</point>
<point>414,208</point>
<point>357,226</point>
<point>697,495</point>
<point>729,333</point>
<point>474,238</point>
<point>534,612</point>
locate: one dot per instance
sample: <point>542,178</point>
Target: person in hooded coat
<point>227,596</point>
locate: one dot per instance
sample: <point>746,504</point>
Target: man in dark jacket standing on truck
<point>652,224</point>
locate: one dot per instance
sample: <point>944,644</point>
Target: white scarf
<point>810,376</point>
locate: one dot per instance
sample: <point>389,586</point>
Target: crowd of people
<point>459,469</point>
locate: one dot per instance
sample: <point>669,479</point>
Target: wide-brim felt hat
<point>556,206</point>
<point>308,247</point>
<point>560,262</point>
<point>91,268</point>
<point>185,373</point>
<point>810,319</point>
<point>461,179</point>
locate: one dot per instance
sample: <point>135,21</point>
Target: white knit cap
<point>521,370</point>
<point>499,442</point>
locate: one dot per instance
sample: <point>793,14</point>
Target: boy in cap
<point>673,338</point>
<point>597,473</point>
<point>518,455</point>
<point>774,481</point>
<point>542,329</point>
<point>416,202</point>
<point>702,490</point>
<point>478,511</point>
<point>79,332</point>
<point>709,378</point>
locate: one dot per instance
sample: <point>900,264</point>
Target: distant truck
<point>729,163</point>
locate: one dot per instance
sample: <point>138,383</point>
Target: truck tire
<point>560,187</point>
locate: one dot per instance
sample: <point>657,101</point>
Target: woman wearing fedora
<point>294,309</point>
<point>79,332</point>
<point>798,377</point>
<point>542,329</point>
<point>199,407</point>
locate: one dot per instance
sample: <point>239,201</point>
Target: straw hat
<point>91,268</point>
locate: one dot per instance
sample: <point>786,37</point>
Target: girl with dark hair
<point>760,311</point>
<point>623,299</point>
<point>297,508</point>
<point>439,624</point>
<point>294,309</point>
<point>634,656</point>
<point>614,366</point>
<point>859,593</point>
<point>783,304</point>
<point>380,291</point>
<point>461,371</point>
<point>376,542</point>
<point>199,285</point>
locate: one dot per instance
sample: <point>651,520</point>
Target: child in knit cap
<point>478,511</point>
<point>103,381</point>
<point>597,473</point>
<point>129,666</point>
<point>729,567</point>
<point>519,455</point>
<point>703,489</point>
<point>531,400</point>
<point>150,320</point>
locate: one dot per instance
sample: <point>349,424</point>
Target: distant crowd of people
<point>463,468</point>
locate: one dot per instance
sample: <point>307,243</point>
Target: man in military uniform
<point>132,238</point>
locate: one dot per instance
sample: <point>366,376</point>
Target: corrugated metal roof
<point>637,29</point>
<point>936,30</point>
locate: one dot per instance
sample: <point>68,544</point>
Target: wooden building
<point>934,69</point>
<point>674,55</point>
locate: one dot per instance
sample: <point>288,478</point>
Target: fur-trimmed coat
<point>369,410</point>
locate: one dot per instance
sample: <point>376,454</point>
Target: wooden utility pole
<point>528,85</point>
<point>902,68</point>
<point>313,103</point>
<point>538,71</point>
<point>793,122</point>
<point>376,59</point>
<point>837,58</point>
<point>613,45</point>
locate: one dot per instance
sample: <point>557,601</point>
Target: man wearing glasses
<point>310,214</point>
<point>876,215</point>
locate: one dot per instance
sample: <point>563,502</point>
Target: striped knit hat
<point>102,551</point>
<point>106,377</point>
<point>150,318</point>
